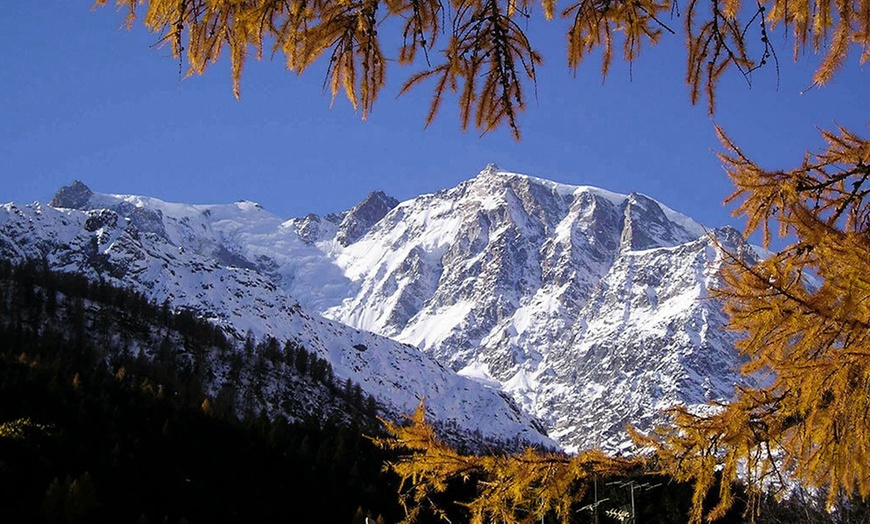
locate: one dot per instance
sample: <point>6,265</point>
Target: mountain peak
<point>73,196</point>
<point>363,216</point>
<point>490,169</point>
<point>378,196</point>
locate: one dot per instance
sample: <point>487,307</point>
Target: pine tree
<point>52,502</point>
<point>301,361</point>
<point>81,499</point>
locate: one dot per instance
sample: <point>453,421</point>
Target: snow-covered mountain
<point>587,308</point>
<point>190,258</point>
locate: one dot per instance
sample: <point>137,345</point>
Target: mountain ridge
<point>149,246</point>
<point>586,308</point>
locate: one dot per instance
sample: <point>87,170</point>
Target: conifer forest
<point>92,433</point>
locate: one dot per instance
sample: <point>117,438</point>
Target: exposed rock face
<point>73,196</point>
<point>363,216</point>
<point>309,228</point>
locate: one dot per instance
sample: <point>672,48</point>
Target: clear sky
<point>82,98</point>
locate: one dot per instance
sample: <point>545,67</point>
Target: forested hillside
<point>104,417</point>
<point>116,410</point>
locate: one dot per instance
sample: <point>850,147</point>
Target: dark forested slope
<point>116,410</point>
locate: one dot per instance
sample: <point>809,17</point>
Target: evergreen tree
<point>53,501</point>
<point>81,499</point>
<point>301,361</point>
<point>359,517</point>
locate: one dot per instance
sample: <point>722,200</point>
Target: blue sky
<point>82,98</point>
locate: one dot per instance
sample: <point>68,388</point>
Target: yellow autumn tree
<point>802,314</point>
<point>523,487</point>
<point>479,49</point>
<point>804,317</point>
